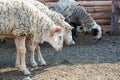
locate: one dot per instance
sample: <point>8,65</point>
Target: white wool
<point>56,17</point>
<point>58,20</point>
<point>18,17</point>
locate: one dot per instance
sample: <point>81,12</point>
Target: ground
<point>87,60</point>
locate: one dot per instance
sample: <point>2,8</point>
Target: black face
<point>66,20</point>
<point>74,31</point>
<point>94,32</point>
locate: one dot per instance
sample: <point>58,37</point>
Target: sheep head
<point>54,36</point>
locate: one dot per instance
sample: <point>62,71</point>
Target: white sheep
<point>22,21</point>
<point>58,20</point>
<point>75,13</point>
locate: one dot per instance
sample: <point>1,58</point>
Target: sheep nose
<point>73,42</point>
<point>99,39</point>
<point>60,37</point>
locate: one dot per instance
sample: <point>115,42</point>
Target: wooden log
<point>51,0</point>
<point>95,3</point>
<point>78,0</point>
<point>86,3</point>
<point>101,15</point>
<point>98,9</point>
<point>92,0</point>
<point>106,29</point>
<point>103,21</point>
<point>75,0</point>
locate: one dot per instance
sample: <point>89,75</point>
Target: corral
<point>86,60</point>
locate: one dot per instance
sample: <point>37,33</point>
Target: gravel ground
<point>87,60</point>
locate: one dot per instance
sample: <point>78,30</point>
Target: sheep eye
<point>66,28</point>
<point>46,29</point>
<point>70,29</point>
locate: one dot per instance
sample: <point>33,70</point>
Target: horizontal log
<point>103,21</point>
<point>106,29</point>
<point>50,0</point>
<point>90,9</point>
<point>92,0</point>
<point>86,3</point>
<point>98,16</point>
<point>78,0</point>
<point>95,3</point>
<point>98,9</point>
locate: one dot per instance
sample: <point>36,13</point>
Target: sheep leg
<point>32,58</point>
<point>21,51</point>
<point>40,58</point>
<point>17,59</point>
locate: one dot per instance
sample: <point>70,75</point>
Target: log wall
<point>76,0</point>
<point>100,10</point>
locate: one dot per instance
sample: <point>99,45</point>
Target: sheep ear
<point>55,30</point>
<point>71,27</point>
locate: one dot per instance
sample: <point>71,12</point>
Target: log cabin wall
<point>100,10</point>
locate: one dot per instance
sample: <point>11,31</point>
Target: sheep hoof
<point>73,42</point>
<point>29,74</point>
<point>34,64</point>
<point>43,63</point>
<point>23,69</point>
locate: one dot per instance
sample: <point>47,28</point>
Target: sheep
<point>75,13</point>
<point>22,21</point>
<point>59,20</point>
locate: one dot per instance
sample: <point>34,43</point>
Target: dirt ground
<point>87,60</point>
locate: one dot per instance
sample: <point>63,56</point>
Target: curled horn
<point>55,29</point>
